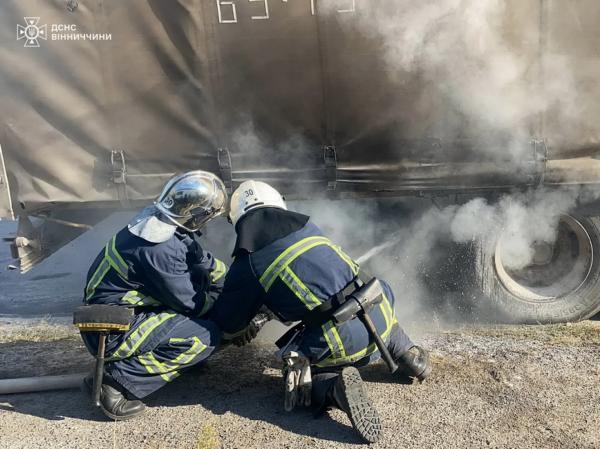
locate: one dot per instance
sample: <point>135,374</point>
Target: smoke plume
<point>504,68</point>
<point>402,241</point>
<point>491,71</point>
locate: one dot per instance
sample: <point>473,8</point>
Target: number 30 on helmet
<point>252,195</point>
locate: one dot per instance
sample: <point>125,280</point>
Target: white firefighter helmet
<point>251,195</point>
<point>192,199</point>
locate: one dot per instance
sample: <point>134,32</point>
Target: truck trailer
<point>102,101</point>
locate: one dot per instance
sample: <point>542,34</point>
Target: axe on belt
<point>358,304</point>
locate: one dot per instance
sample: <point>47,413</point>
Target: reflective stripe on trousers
<point>133,341</point>
<point>169,369</point>
<point>336,346</point>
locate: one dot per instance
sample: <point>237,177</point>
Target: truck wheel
<point>561,284</point>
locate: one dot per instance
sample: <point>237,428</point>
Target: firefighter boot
<point>414,363</point>
<point>349,394</point>
<point>113,402</point>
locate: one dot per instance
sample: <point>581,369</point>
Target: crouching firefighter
<point>156,267</point>
<point>347,319</point>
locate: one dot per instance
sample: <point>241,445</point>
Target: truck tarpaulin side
<point>102,100</point>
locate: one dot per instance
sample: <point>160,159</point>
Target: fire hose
<point>43,383</point>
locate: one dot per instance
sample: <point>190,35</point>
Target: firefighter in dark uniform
<point>284,262</point>
<point>156,266</point>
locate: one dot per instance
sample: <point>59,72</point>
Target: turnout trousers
<point>333,346</point>
<point>158,347</point>
<point>324,378</point>
<point>351,345</point>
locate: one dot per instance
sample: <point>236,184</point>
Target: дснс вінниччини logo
<point>31,32</point>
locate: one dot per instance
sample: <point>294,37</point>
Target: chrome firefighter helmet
<point>192,199</point>
<point>252,195</point>
<point>187,201</point>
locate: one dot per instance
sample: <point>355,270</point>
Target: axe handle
<point>383,349</point>
<point>99,371</point>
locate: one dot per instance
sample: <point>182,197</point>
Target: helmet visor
<point>188,196</point>
<point>193,199</point>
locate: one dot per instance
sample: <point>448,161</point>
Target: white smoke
<point>517,221</point>
<point>479,60</point>
<point>486,71</point>
<point>288,160</point>
<point>400,246</point>
<point>479,76</point>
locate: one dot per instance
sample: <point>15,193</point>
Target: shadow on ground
<point>243,382</point>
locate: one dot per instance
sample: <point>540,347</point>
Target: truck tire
<point>562,283</point>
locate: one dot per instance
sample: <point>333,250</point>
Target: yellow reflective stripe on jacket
<point>130,345</point>
<point>169,370</point>
<point>296,250</point>
<point>280,268</point>
<point>287,257</point>
<point>135,298</point>
<point>300,290</point>
<point>353,265</point>
<point>96,278</point>
<point>132,297</point>
<point>115,259</point>
<point>334,341</point>
<point>112,259</point>
<point>219,271</point>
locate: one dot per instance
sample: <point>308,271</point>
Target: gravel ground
<point>501,387</point>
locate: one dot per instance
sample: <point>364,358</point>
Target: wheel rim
<point>556,270</point>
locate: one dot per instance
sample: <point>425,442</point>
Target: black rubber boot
<point>350,395</point>
<point>113,402</point>
<point>414,363</point>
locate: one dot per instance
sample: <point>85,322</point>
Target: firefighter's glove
<point>298,380</point>
<point>251,331</point>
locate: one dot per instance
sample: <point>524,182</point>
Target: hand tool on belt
<point>355,301</point>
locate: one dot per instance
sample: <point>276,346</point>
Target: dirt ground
<point>499,387</point>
